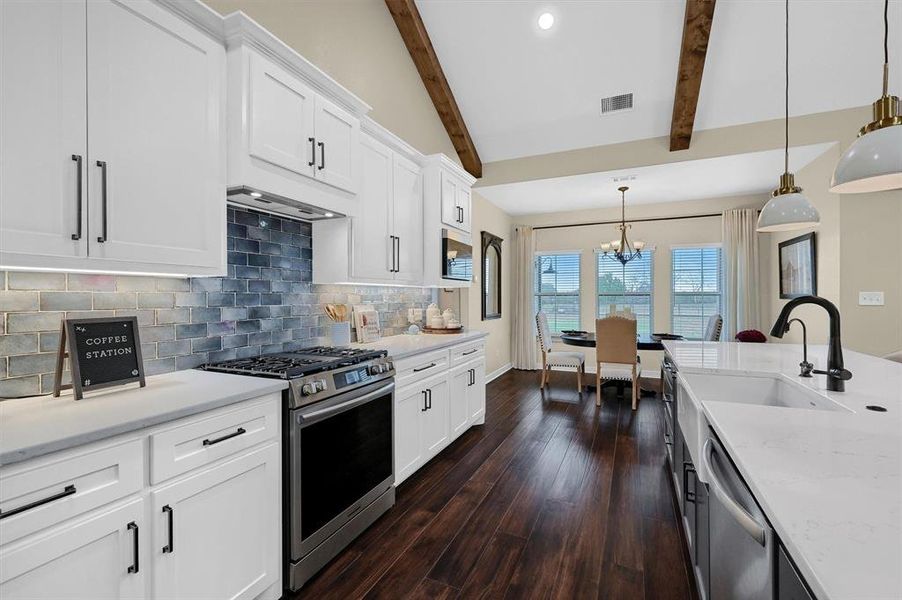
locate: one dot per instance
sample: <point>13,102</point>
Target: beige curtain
<point>523,330</point>
<point>740,271</point>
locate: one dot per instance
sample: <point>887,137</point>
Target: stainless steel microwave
<point>457,256</point>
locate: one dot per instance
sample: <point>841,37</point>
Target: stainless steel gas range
<point>338,447</point>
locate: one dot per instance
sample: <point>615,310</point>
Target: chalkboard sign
<point>102,353</point>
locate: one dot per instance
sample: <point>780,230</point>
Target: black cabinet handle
<point>687,495</point>
<point>424,368</point>
<point>397,254</point>
<point>469,352</point>
<point>134,566</point>
<point>67,491</point>
<point>78,160</point>
<point>425,407</point>
<point>103,200</point>
<point>312,160</point>
<point>429,398</point>
<point>168,548</point>
<point>322,155</point>
<point>228,436</point>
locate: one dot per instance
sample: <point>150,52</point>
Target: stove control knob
<point>375,369</point>
<point>308,389</point>
<point>320,385</point>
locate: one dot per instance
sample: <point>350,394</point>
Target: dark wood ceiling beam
<point>416,38</point>
<point>694,49</point>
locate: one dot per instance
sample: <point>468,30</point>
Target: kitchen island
<point>828,481</point>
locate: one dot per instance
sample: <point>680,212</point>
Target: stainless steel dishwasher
<point>741,540</point>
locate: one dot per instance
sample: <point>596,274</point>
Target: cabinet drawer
<point>46,491</point>
<point>200,441</point>
<point>419,367</point>
<point>467,352</point>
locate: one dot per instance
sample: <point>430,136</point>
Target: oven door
<point>340,460</point>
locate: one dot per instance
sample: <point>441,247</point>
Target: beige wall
<point>858,238</point>
<point>662,235</point>
<point>488,217</point>
<point>356,43</point>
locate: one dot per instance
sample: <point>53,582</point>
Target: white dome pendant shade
<point>873,163</point>
<point>788,209</point>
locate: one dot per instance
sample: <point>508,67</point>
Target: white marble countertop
<point>828,481</point>
<point>402,346</point>
<point>31,427</point>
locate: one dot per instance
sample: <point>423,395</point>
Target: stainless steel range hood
<point>280,205</point>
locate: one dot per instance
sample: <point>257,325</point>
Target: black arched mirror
<point>491,276</point>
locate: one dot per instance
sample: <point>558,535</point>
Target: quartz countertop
<point>31,427</point>
<point>828,481</point>
<point>402,346</point>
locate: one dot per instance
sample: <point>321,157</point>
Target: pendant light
<point>873,163</point>
<point>788,208</point>
<point>621,249</point>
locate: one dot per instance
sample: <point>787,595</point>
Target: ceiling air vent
<point>616,103</point>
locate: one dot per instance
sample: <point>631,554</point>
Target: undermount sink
<point>761,390</point>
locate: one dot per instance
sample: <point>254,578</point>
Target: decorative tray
<point>443,330</point>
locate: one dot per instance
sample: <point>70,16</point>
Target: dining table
<point>643,342</point>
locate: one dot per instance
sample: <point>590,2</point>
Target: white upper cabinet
<point>447,205</point>
<point>113,138</point>
<point>281,118</point>
<point>43,122</point>
<point>337,135</point>
<point>154,98</point>
<point>455,195</point>
<point>383,242</point>
<point>293,130</point>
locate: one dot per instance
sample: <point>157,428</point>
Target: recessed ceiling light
<point>256,194</point>
<point>328,215</point>
<point>546,21</point>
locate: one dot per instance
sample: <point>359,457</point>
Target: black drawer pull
<point>103,198</point>
<point>424,368</point>
<point>688,495</point>
<point>469,352</point>
<point>228,436</point>
<point>312,160</point>
<point>168,548</point>
<point>429,398</point>
<point>425,402</point>
<point>134,566</point>
<point>322,155</point>
<point>77,235</point>
<point>67,491</point>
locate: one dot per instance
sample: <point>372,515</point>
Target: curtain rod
<point>630,221</point>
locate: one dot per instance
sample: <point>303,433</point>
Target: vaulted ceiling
<point>523,91</point>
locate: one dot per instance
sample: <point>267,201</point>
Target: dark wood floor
<point>551,498</point>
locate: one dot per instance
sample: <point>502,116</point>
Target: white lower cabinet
<point>101,556</point>
<point>435,404</point>
<point>215,534</point>
<point>86,523</point>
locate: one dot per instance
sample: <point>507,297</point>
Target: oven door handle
<point>346,405</point>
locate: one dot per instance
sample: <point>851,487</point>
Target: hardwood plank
<point>415,562</point>
<point>430,589</point>
<point>495,568</point>
<point>621,583</point>
<point>416,38</point>
<point>665,577</point>
<point>537,569</point>
<point>693,50</point>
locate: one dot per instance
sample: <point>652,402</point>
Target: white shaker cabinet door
<point>280,120</point>
<point>459,409</point>
<point>337,145</point>
<point>156,168</point>
<point>450,212</point>
<point>217,534</point>
<point>372,244</point>
<point>410,403</point>
<point>465,207</point>
<point>92,559</point>
<point>407,214</point>
<point>476,392</point>
<point>436,418</point>
<point>43,128</point>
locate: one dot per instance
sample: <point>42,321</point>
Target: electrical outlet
<point>870,298</point>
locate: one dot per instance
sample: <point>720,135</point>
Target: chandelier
<point>621,250</point>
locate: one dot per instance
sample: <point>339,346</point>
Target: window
<point>626,286</point>
<point>697,289</point>
<point>557,290</point>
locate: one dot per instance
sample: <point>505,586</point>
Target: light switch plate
<point>870,298</point>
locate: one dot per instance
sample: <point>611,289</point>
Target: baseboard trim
<point>498,372</point>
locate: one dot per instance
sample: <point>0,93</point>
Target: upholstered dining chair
<point>616,354</point>
<point>550,358</point>
<point>713,329</point>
